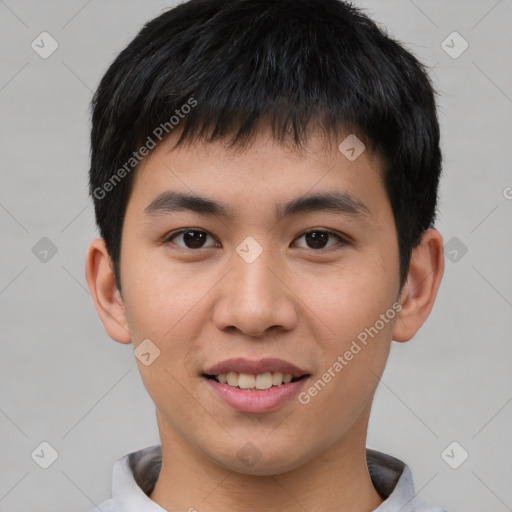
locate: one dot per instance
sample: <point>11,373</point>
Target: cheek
<point>351,299</point>
<point>353,362</point>
<point>161,297</point>
<point>355,314</point>
<point>168,307</point>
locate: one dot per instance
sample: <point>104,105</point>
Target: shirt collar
<point>135,475</point>
<point>127,494</point>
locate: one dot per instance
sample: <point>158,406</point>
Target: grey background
<point>63,381</point>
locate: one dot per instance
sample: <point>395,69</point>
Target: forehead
<point>316,148</point>
<point>212,177</point>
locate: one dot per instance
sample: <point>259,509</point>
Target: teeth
<point>262,381</point>
<point>232,379</point>
<point>249,381</point>
<point>277,378</point>
<point>246,381</point>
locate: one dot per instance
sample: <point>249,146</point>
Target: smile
<point>255,386</point>
<point>251,382</point>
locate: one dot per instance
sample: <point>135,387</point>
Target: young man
<point>265,176</point>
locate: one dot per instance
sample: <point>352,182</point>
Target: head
<point>247,106</point>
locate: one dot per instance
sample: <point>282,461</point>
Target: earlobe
<point>420,291</point>
<point>106,297</point>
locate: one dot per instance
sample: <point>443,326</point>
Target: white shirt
<point>135,475</point>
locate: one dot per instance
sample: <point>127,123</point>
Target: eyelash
<point>342,240</point>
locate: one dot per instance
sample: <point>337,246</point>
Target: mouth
<point>255,382</point>
<point>255,386</point>
<point>257,375</point>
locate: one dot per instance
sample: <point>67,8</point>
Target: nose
<point>254,298</point>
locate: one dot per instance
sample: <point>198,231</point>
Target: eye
<point>192,238</point>
<point>317,238</point>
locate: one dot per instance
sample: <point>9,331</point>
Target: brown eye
<point>318,239</point>
<point>192,238</point>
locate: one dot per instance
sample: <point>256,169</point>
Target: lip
<point>242,365</point>
<point>259,401</point>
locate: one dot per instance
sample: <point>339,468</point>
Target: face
<point>256,273</point>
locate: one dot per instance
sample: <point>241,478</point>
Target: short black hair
<point>219,68</point>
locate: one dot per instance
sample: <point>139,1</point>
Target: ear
<point>420,290</point>
<point>107,298</point>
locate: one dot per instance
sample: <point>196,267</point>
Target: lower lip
<point>264,400</point>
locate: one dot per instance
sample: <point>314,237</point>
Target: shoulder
<point>419,506</point>
<point>106,506</point>
<point>393,480</point>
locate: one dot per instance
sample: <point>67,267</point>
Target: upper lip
<point>241,365</point>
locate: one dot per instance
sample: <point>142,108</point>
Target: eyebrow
<point>336,202</point>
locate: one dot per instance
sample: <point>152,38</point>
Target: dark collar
<point>384,470</point>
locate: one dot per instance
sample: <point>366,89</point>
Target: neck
<point>337,480</point>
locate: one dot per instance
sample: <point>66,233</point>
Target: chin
<point>267,461</point>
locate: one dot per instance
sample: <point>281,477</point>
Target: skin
<point>295,302</point>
